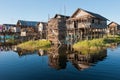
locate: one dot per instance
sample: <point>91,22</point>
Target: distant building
<point>10,28</point>
<point>27,26</point>
<point>113,28</point>
<point>32,28</point>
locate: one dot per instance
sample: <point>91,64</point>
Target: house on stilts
<point>85,25</point>
<point>80,26</point>
<point>113,28</point>
<point>32,29</point>
<point>11,28</point>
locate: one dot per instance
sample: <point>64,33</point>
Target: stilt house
<point>32,28</point>
<point>11,28</point>
<point>81,25</point>
<point>85,25</point>
<point>113,28</point>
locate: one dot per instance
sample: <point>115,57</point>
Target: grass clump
<point>96,44</point>
<point>34,45</point>
<point>89,44</point>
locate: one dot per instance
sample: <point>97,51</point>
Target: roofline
<point>42,23</point>
<point>10,24</point>
<point>74,12</point>
<point>61,15</point>
<point>27,21</point>
<point>88,13</point>
<point>113,22</point>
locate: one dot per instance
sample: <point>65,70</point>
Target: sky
<point>40,10</point>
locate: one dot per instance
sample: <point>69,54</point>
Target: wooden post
<point>81,35</point>
<point>84,35</point>
<point>87,33</point>
<point>91,32</point>
<point>102,32</point>
<point>97,33</point>
<point>94,33</point>
<point>46,34</point>
<point>114,33</point>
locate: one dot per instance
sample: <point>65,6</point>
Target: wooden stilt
<point>91,33</point>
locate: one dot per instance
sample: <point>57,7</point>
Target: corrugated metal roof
<point>28,23</point>
<point>96,15</point>
<point>91,13</point>
<point>9,25</point>
<point>63,16</point>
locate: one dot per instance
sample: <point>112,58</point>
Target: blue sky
<point>38,10</point>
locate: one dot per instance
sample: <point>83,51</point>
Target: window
<point>93,21</point>
<point>75,24</point>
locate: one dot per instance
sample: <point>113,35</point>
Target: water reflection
<point>81,61</point>
<point>8,48</point>
<point>22,52</point>
<point>59,56</point>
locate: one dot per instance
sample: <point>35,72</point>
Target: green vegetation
<point>96,44</point>
<point>112,39</point>
<point>89,44</point>
<point>34,45</point>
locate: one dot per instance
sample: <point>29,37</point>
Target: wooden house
<point>85,25</point>
<point>10,28</point>
<point>81,25</point>
<point>32,28</point>
<point>27,26</point>
<point>57,29</point>
<point>113,28</point>
<point>28,29</point>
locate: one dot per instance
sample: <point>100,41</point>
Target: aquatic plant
<point>96,44</point>
<point>34,45</point>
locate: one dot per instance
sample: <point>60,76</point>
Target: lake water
<point>57,64</point>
